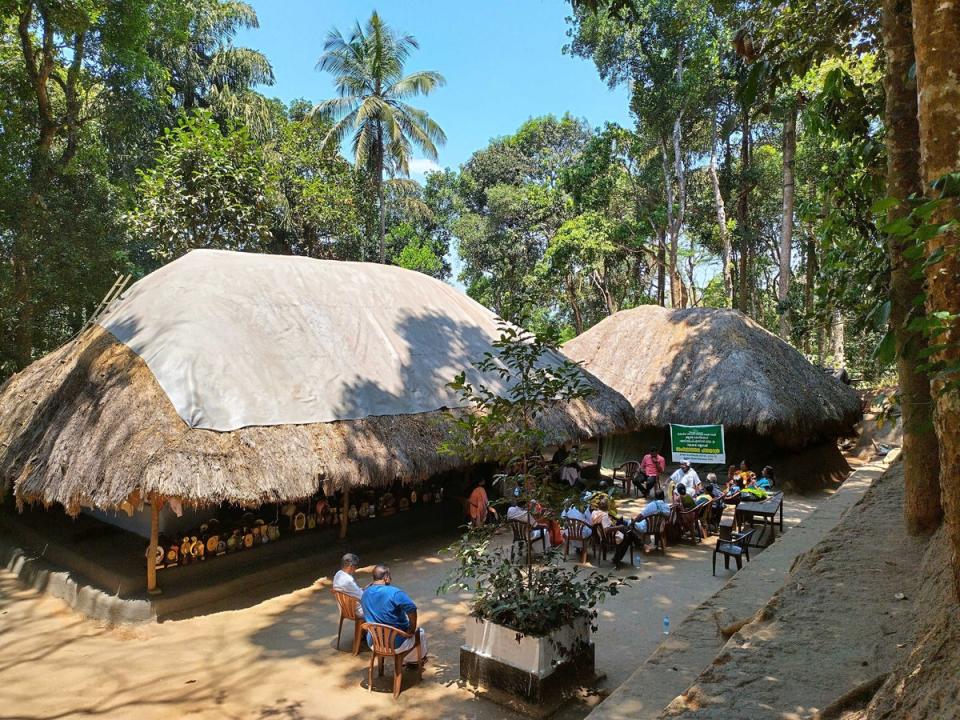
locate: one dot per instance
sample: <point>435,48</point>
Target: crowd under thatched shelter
<point>706,366</point>
<point>238,378</point>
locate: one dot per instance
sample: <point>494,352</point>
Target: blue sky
<point>502,59</point>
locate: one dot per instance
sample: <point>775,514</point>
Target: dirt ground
<point>277,659</point>
<point>844,618</point>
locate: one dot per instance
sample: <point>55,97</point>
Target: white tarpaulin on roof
<point>237,339</point>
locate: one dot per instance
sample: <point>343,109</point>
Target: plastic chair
<point>629,470</point>
<point>385,645</point>
<point>737,548</point>
<point>575,530</point>
<point>606,539</point>
<point>688,522</point>
<point>348,611</point>
<point>655,529</point>
<point>523,536</point>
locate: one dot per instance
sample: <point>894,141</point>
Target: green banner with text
<point>698,444</point>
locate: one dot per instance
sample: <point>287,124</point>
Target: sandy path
<point>276,659</point>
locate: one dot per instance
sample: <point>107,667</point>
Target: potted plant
<point>529,633</point>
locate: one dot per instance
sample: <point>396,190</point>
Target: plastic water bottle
<point>666,624</point>
<point>636,562</point>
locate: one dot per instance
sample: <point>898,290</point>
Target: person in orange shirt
<point>480,504</point>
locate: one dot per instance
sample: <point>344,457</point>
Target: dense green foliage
<point>135,131</point>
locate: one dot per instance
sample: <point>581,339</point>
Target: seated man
<point>345,582</point>
<point>687,476</point>
<point>652,464</point>
<point>388,605</point>
<point>578,513</point>
<point>637,529</point>
<point>520,512</point>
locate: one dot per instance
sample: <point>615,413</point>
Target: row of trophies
<point>213,538</point>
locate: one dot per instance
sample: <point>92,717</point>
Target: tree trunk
<point>661,267</point>
<point>22,261</point>
<point>383,217</point>
<point>936,39</point>
<point>837,339</point>
<point>39,54</point>
<point>672,228</point>
<point>809,287</point>
<point>743,213</point>
<point>786,230</point>
<point>681,174</point>
<point>574,305</point>
<point>721,214</point>
<point>921,463</point>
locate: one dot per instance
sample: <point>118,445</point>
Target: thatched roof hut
<point>230,377</point>
<point>705,366</point>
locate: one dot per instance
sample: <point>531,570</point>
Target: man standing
<point>686,475</point>
<point>651,466</point>
<point>385,604</point>
<point>345,581</point>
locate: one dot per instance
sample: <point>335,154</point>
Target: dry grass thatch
<point>703,366</point>
<point>88,425</point>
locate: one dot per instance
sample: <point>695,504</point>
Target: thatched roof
<point>704,366</point>
<point>90,425</point>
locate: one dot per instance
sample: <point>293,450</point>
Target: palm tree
<point>372,89</point>
<point>208,71</point>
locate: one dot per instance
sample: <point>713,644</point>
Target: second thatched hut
<point>706,366</point>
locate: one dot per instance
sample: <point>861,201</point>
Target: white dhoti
<point>421,651</point>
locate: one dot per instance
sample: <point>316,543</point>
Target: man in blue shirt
<point>388,605</point>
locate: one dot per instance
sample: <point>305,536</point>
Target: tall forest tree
<point>371,104</point>
<point>67,71</point>
<point>936,38</point>
<point>667,51</point>
<point>922,507</point>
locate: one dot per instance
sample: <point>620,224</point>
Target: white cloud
<point>422,166</point>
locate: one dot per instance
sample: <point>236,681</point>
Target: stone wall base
<point>527,692</point>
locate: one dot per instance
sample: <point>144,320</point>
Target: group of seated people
<point>383,603</point>
<point>688,492</point>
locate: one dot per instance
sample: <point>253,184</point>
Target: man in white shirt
<point>575,513</point>
<point>520,512</point>
<point>345,582</point>
<point>686,475</point>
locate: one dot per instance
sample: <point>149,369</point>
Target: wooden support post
<point>155,504</point>
<point>343,511</point>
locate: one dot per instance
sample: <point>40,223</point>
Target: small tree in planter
<point>531,635</point>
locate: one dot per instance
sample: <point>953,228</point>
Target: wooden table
<point>766,510</point>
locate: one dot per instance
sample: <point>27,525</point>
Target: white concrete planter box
<point>536,655</point>
<point>534,669</point>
